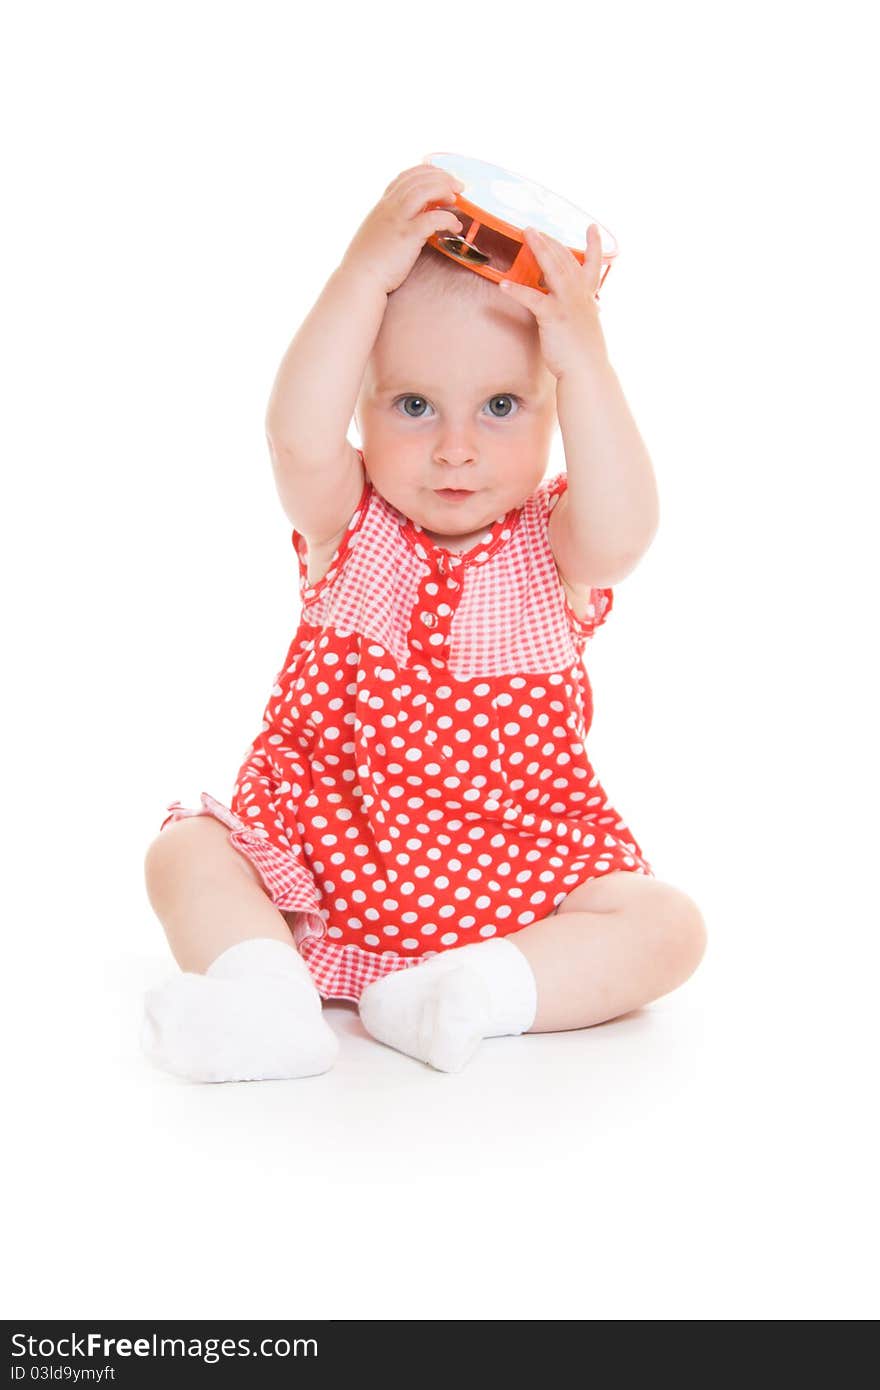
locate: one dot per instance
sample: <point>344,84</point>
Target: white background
<point>180,179</point>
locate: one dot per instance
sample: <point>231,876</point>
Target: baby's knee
<point>186,844</point>
<point>688,931</point>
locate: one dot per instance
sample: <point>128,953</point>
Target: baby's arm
<point>318,473</point>
<point>611,507</point>
<point>609,513</point>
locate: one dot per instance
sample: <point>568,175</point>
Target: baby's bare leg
<point>245,1007</point>
<point>206,894</point>
<point>615,944</point>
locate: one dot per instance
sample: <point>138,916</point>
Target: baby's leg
<point>206,894</point>
<point>245,1007</point>
<point>615,944</point>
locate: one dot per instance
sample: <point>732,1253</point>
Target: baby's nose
<point>456,454</point>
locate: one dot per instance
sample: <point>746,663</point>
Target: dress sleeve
<point>600,605</point>
<point>309,592</point>
<point>601,600</point>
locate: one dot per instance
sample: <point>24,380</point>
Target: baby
<point>417,828</point>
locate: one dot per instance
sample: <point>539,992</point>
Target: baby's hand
<point>568,314</point>
<point>388,241</point>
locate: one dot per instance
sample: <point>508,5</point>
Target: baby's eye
<point>419,401</point>
<point>506,408</point>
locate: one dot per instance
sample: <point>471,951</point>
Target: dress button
<point>429,619</point>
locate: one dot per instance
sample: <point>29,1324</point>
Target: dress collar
<point>444,559</point>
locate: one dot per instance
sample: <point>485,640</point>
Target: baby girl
<point>417,828</point>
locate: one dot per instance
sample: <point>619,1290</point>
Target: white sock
<point>440,1011</point>
<point>255,1015</point>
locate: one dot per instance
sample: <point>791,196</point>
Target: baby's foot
<point>440,1011</point>
<point>240,1024</point>
<point>440,1021</point>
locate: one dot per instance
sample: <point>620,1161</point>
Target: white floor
<point>707,1157</point>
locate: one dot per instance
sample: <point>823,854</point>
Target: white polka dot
<point>449,938</point>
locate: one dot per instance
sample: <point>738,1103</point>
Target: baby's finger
<point>407,176</point>
<point>395,182</point>
<point>437,220</point>
<point>436,188</point>
<point>592,266</point>
<point>551,257</point>
<point>421,176</point>
<point>524,295</point>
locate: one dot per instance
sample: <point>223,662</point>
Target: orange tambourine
<point>495,206</point>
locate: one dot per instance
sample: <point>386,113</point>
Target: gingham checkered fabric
<point>513,614</point>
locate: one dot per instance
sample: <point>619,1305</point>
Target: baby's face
<point>456,395</point>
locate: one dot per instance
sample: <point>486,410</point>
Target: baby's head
<point>455,394</point>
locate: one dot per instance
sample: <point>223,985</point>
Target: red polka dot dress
<point>420,780</point>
